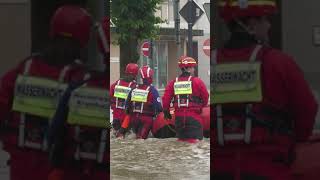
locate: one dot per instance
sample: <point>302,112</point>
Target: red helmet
<point>146,72</point>
<point>103,35</point>
<point>231,9</point>
<point>132,69</point>
<point>71,21</point>
<point>185,61</point>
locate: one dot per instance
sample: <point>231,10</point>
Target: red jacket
<point>284,90</point>
<point>25,162</point>
<point>153,105</point>
<point>199,90</point>
<point>119,113</point>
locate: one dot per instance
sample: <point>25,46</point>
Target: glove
<point>156,113</point>
<point>167,114</point>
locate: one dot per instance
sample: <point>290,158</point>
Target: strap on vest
<point>86,77</point>
<point>178,96</point>
<point>22,123</point>
<point>117,99</point>
<point>246,136</point>
<point>99,155</point>
<point>142,104</point>
<point>102,144</point>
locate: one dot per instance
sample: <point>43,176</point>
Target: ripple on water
<point>159,159</point>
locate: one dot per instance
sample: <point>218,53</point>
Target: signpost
<point>206,7</point>
<point>191,12</point>
<point>206,47</point>
<point>145,49</point>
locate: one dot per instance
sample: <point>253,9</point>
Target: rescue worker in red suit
<point>262,104</point>
<point>25,121</point>
<point>143,104</point>
<point>84,152</point>
<point>189,95</point>
<point>119,92</point>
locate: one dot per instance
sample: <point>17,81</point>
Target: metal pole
<point>214,38</point>
<point>177,26</point>
<point>190,32</point>
<point>151,54</point>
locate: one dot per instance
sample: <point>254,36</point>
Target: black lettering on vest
<point>93,101</point>
<point>180,86</point>
<point>126,91</point>
<point>37,91</point>
<point>234,77</point>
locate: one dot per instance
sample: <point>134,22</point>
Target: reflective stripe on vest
<point>121,93</point>
<point>246,136</point>
<point>32,97</point>
<point>82,153</point>
<point>236,82</point>
<point>140,98</point>
<point>89,106</point>
<point>187,88</point>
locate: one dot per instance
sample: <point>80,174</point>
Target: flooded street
<point>159,159</point>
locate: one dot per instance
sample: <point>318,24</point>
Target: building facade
<point>165,48</point>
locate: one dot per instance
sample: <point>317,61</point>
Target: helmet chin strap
<point>244,27</point>
<point>251,33</point>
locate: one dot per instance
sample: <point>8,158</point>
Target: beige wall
<point>15,36</point>
<point>172,60</point>
<point>173,69</point>
<point>203,60</point>
<point>114,61</point>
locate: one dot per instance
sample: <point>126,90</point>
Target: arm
<point>156,101</point>
<point>302,104</point>
<point>112,99</point>
<point>7,86</point>
<point>168,95</point>
<point>112,87</point>
<point>203,92</point>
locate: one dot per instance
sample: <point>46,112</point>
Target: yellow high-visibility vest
<point>89,107</point>
<point>236,82</point>
<point>37,96</point>
<point>139,95</point>
<point>182,87</point>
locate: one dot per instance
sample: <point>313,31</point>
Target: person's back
<point>188,95</point>
<point>79,132</point>
<point>261,103</point>
<point>143,104</point>
<point>31,90</point>
<point>119,92</point>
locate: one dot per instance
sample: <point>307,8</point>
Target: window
<point>159,63</point>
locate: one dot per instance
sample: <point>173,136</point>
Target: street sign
<point>206,47</point>
<point>145,49</point>
<point>206,7</point>
<point>191,12</point>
